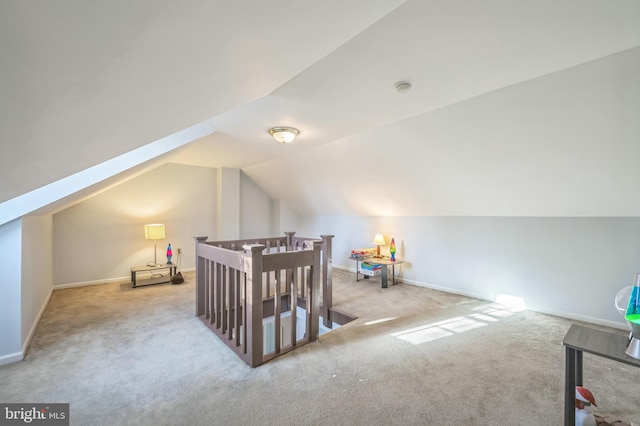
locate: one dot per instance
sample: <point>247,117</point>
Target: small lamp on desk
<point>378,240</point>
<point>155,232</point>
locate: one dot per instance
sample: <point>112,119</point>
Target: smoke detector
<point>403,87</point>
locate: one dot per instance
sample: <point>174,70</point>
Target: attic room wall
<point>570,267</point>
<point>10,295</point>
<point>37,271</point>
<point>283,218</point>
<point>99,239</point>
<point>255,210</point>
<point>261,216</point>
<point>228,204</point>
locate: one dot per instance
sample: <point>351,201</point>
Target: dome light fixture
<point>284,134</point>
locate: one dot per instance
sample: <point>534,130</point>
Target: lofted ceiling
<point>84,82</point>
<point>518,108</point>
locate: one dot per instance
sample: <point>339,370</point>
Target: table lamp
<point>378,240</point>
<point>155,232</point>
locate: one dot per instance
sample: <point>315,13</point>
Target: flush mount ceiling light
<point>284,134</point>
<point>403,87</point>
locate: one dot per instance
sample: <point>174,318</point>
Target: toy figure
<point>169,255</point>
<point>585,402</point>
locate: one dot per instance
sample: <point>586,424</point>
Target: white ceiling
<point>450,51</point>
<point>517,107</point>
<point>83,82</point>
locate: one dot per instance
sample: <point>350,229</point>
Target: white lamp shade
<point>378,240</point>
<point>154,231</point>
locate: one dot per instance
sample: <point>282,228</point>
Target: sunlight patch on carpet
<point>419,335</point>
<point>514,303</point>
<point>438,330</point>
<point>378,321</point>
<point>482,316</point>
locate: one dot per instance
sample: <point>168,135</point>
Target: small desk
<point>172,269</point>
<point>581,339</point>
<point>384,262</point>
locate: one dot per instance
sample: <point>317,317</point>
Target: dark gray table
<point>386,262</point>
<point>135,282</point>
<point>581,339</point>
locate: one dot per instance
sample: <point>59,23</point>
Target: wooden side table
<point>172,269</point>
<point>581,339</point>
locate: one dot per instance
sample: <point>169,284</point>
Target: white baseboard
<point>568,315</point>
<point>582,318</point>
<point>105,281</point>
<point>11,358</point>
<point>27,341</point>
<point>343,268</point>
<point>95,282</point>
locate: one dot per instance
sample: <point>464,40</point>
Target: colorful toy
<point>585,402</point>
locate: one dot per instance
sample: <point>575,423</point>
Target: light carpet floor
<point>414,356</point>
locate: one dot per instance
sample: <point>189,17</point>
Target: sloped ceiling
<point>83,82</point>
<point>517,108</point>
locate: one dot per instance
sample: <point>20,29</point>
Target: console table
<point>171,269</point>
<point>581,339</point>
<point>384,262</point>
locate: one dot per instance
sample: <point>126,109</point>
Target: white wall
<point>228,204</point>
<point>256,210</point>
<point>571,267</point>
<point>10,305</point>
<point>102,237</point>
<point>283,218</point>
<point>291,221</point>
<point>37,271</point>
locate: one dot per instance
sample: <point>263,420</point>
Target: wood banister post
<point>289,235</point>
<point>253,330</point>
<point>314,304</point>
<point>200,278</point>
<point>290,272</point>
<point>327,281</point>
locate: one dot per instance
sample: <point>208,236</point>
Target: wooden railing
<point>239,283</point>
<point>326,307</point>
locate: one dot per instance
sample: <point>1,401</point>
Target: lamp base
<point>155,255</point>
<point>633,349</point>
